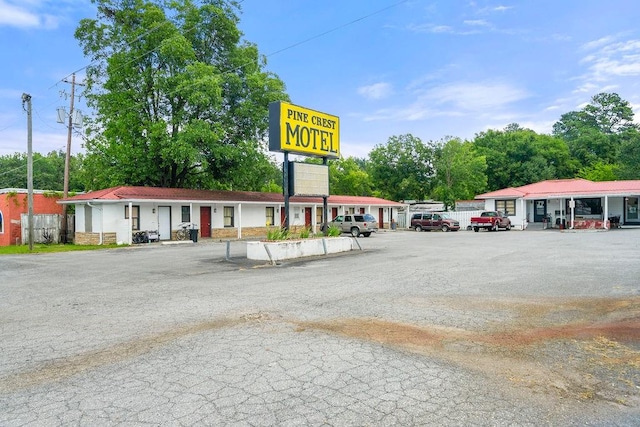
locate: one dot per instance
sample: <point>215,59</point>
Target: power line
<point>126,45</point>
<point>339,27</point>
<point>291,46</point>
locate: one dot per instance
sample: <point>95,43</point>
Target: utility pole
<point>26,99</point>
<point>67,160</point>
<point>69,133</point>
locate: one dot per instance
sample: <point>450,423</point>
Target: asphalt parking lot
<point>503,328</point>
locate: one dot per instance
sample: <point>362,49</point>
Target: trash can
<point>194,234</point>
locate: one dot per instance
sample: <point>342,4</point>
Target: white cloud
<point>498,9</point>
<point>598,43</point>
<point>607,62</point>
<point>376,91</point>
<point>16,16</point>
<point>456,100</point>
<point>478,97</point>
<point>30,14</point>
<point>430,28</point>
<point>477,22</point>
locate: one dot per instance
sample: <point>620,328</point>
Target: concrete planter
<point>288,249</point>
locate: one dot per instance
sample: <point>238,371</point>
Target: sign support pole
<point>325,206</point>
<point>285,189</point>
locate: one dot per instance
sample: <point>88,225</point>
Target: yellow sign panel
<point>300,130</point>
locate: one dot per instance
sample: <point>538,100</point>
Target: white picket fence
<point>464,217</point>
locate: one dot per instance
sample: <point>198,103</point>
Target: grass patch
<point>42,248</point>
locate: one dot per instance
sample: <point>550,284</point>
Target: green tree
<point>518,156</point>
<point>180,100</point>
<point>460,172</point>
<point>402,168</point>
<point>347,177</point>
<point>593,133</point>
<point>629,155</point>
<point>48,171</point>
<point>599,171</point>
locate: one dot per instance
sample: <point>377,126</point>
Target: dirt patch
<point>587,348</point>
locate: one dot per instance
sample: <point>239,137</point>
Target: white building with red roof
<point>570,203</point>
<point>114,215</point>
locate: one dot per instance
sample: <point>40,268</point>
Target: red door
<point>282,216</point>
<point>334,213</point>
<point>381,218</point>
<point>307,217</point>
<point>205,221</point>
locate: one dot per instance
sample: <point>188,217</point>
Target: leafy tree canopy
<point>592,133</point>
<point>181,101</point>
<point>460,172</point>
<point>348,177</point>
<point>628,161</point>
<point>402,168</point>
<point>518,156</point>
<point>48,171</point>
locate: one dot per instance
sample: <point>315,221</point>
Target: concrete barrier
<point>288,249</point>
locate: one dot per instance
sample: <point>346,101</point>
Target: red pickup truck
<point>490,220</point>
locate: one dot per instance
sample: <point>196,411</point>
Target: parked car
<point>434,221</point>
<point>491,221</point>
<point>356,224</point>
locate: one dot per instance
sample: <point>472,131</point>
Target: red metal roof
<point>186,194</point>
<point>566,188</point>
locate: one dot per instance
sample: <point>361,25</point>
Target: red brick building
<point>13,203</point>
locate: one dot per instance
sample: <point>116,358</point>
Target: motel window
<point>135,223</point>
<point>506,206</point>
<point>186,213</point>
<point>228,216</point>
<point>269,213</point>
<point>586,207</point>
<point>1,223</point>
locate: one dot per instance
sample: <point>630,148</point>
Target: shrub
<point>334,231</point>
<point>305,233</point>
<point>277,234</point>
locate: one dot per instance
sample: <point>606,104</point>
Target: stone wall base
<point>82,238</point>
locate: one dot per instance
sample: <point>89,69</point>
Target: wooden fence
<point>47,228</point>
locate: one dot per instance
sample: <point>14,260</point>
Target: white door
<point>164,222</point>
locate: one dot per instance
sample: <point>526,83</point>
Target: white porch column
<point>130,238</point>
<point>313,217</point>
<point>572,206</point>
<point>239,220</point>
<point>606,213</point>
<point>523,214</point>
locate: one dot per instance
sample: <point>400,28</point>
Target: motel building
<point>568,203</point>
<point>112,215</point>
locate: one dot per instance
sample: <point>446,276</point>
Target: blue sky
<point>385,67</point>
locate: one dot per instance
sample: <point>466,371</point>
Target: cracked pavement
<point>507,328</point>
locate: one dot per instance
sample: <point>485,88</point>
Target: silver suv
<point>356,224</point>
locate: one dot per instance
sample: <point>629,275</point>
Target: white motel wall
<point>103,222</point>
